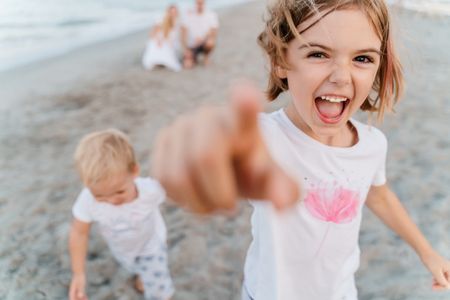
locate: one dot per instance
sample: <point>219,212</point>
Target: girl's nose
<point>340,74</point>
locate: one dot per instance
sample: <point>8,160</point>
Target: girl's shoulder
<point>271,123</point>
<point>370,134</point>
<point>270,118</point>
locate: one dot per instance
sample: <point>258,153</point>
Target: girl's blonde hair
<point>103,154</point>
<point>168,22</point>
<point>281,27</point>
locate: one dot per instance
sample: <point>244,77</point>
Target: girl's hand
<point>440,269</point>
<point>77,287</point>
<point>207,159</point>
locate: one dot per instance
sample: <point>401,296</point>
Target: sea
<point>440,7</point>
<point>32,30</point>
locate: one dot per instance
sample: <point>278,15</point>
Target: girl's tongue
<point>329,109</point>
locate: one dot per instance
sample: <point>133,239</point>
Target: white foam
<point>435,7</point>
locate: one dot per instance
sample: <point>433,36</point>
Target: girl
<point>315,164</point>
<point>163,47</point>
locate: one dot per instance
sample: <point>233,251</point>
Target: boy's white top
<point>311,251</point>
<point>198,25</point>
<point>130,229</point>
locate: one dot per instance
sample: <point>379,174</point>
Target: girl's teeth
<point>333,99</point>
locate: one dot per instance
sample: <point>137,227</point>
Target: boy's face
<point>117,190</point>
<point>330,80</point>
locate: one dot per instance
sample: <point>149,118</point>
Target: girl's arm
<point>386,206</point>
<point>154,31</point>
<point>78,244</point>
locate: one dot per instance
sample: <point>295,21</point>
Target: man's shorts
<point>196,51</point>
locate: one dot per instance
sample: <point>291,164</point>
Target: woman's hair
<point>168,22</point>
<point>103,154</point>
<point>284,17</point>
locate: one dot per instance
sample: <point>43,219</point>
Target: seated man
<point>198,34</point>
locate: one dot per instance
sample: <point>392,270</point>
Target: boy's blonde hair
<point>103,154</point>
<point>281,28</point>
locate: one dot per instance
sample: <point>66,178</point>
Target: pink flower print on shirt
<point>337,206</point>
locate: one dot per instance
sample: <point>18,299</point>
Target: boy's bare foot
<point>138,284</point>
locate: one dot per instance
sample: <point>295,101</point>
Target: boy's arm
<point>78,244</point>
<point>386,206</point>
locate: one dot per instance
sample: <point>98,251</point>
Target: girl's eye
<point>120,192</point>
<point>317,55</point>
<point>364,59</point>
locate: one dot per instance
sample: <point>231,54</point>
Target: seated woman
<point>162,48</point>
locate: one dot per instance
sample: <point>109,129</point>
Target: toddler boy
<point>125,206</point>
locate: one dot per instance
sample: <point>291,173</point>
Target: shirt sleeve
<point>153,189</point>
<point>159,192</point>
<point>214,20</point>
<point>380,175</point>
<point>81,208</point>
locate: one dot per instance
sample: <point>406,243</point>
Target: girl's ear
<point>281,72</point>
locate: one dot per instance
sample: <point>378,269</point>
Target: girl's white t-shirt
<point>311,250</point>
<point>130,229</point>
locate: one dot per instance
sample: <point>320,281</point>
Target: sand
<point>48,106</point>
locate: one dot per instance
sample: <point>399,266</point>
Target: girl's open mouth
<point>331,108</point>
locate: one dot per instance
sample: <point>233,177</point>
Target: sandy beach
<point>48,106</point>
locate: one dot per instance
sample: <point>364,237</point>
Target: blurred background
<point>34,30</point>
<point>71,67</point>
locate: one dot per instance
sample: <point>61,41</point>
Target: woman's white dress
<point>161,51</point>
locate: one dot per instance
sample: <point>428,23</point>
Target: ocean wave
<point>31,31</point>
<point>426,6</point>
<point>77,22</point>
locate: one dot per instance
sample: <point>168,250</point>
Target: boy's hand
<point>440,269</point>
<point>207,159</point>
<point>77,288</point>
